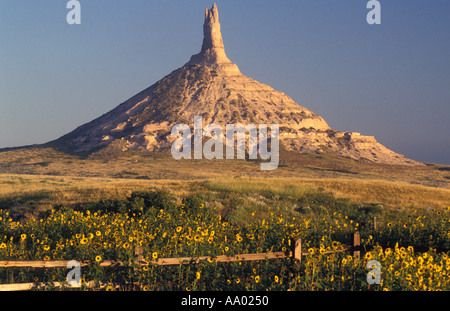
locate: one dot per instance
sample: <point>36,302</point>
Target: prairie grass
<point>273,187</point>
<point>31,194</point>
<point>390,193</point>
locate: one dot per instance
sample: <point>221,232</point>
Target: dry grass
<point>46,161</point>
<point>389,193</point>
<point>33,194</point>
<point>36,179</point>
<point>392,193</point>
<point>30,195</point>
<point>70,185</point>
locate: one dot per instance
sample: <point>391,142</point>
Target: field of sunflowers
<point>410,245</point>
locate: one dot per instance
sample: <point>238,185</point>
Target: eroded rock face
<point>213,51</point>
<point>211,86</point>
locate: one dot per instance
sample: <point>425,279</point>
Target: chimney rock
<point>213,51</point>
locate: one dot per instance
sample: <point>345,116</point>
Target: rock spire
<point>213,51</point>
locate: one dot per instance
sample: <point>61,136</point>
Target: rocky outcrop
<point>213,50</point>
<point>211,86</point>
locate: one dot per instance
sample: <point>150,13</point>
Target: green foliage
<point>320,203</point>
<point>105,206</point>
<point>137,204</point>
<point>159,199</point>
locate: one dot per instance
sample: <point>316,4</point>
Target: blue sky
<point>391,81</point>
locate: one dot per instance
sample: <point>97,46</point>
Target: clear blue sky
<point>391,81</point>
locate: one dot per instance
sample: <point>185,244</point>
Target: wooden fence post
<point>11,276</point>
<point>296,245</point>
<point>138,252</point>
<point>356,243</point>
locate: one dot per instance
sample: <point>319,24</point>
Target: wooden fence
<point>295,253</point>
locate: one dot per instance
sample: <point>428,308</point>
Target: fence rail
<point>295,253</point>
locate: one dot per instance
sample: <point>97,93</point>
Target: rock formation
<point>211,86</point>
<point>213,54</point>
